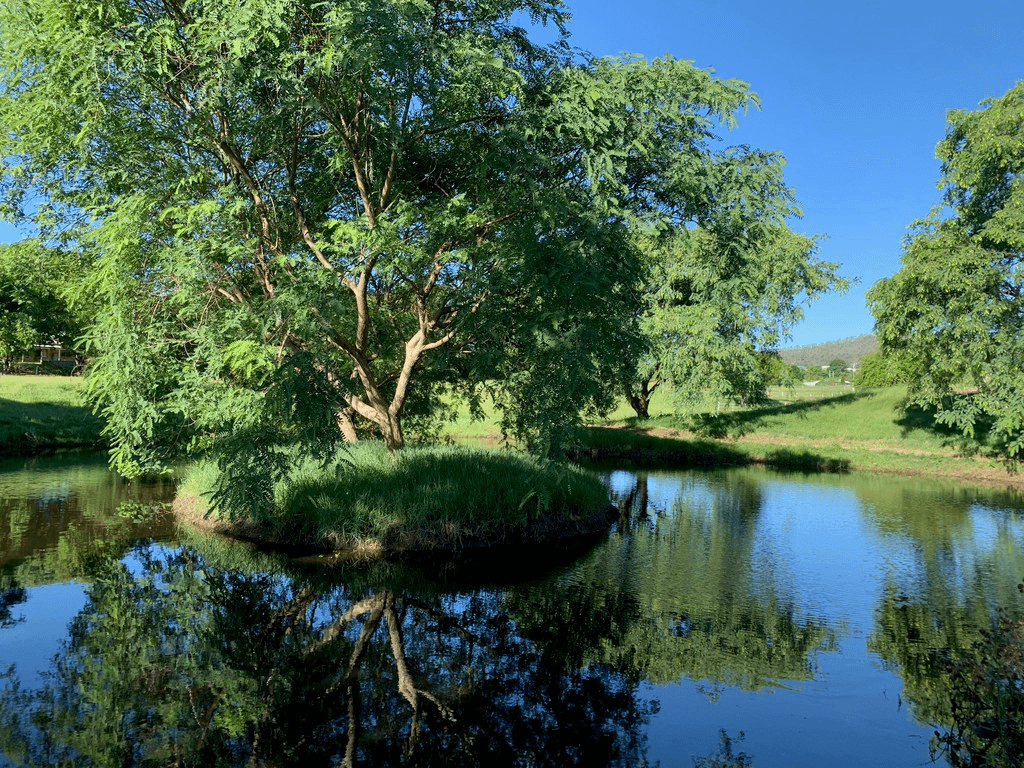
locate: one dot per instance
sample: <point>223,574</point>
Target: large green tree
<point>956,306</point>
<point>723,294</point>
<point>309,214</point>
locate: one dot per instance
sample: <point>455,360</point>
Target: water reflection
<point>59,512</point>
<point>813,619</point>
<point>10,596</point>
<point>965,563</point>
<point>179,660</point>
<point>705,611</point>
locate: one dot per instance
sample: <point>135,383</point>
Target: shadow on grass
<point>740,423</point>
<point>629,448</point>
<point>37,427</point>
<point>918,418</point>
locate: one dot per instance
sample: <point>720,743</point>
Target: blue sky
<point>854,94</point>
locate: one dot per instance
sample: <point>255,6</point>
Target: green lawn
<point>824,427</point>
<point>834,413</point>
<point>40,413</point>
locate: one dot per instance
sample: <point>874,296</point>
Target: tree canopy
<point>884,370</point>
<point>311,216</point>
<point>34,304</point>
<point>956,305</point>
<point>724,294</point>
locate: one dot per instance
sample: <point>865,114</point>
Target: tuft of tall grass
<point>430,492</point>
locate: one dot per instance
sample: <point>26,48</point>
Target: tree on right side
<point>956,305</point>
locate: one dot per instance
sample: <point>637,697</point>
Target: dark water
<point>736,618</point>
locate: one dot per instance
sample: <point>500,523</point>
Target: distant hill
<point>851,350</point>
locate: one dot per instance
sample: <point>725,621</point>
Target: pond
<point>731,618</point>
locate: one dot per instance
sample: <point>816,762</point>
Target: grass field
<point>828,427</point>
<point>41,413</point>
<point>835,414</point>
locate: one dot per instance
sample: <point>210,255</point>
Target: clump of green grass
<point>39,413</point>
<point>437,496</point>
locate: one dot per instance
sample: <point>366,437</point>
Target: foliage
<point>777,372</point>
<point>956,304</point>
<point>884,369</point>
<point>35,283</point>
<point>351,205</point>
<point>836,367</point>
<point>724,294</point>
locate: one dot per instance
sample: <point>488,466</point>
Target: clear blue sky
<point>854,94</point>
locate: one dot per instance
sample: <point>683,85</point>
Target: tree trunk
<point>640,404</point>
<point>640,397</point>
<point>347,424</point>
<point>391,431</point>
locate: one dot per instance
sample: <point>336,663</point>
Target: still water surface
<point>795,620</point>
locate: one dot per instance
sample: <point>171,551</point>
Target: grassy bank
<point>846,431</point>
<point>807,428</point>
<point>44,413</point>
<point>428,498</point>
<point>825,428</point>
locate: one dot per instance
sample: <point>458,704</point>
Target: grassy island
<point>428,498</point>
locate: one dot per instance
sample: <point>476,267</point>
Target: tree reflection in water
<point>179,661</point>
<point>10,596</point>
<point>954,631</point>
<point>701,609</point>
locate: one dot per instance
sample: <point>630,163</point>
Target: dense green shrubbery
<point>884,370</point>
<point>362,493</point>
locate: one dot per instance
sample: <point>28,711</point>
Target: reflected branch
<point>163,667</point>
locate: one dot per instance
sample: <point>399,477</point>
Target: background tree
<point>887,369</point>
<point>957,302</point>
<point>777,372</point>
<point>837,367</point>
<point>722,295</point>
<point>35,283</point>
